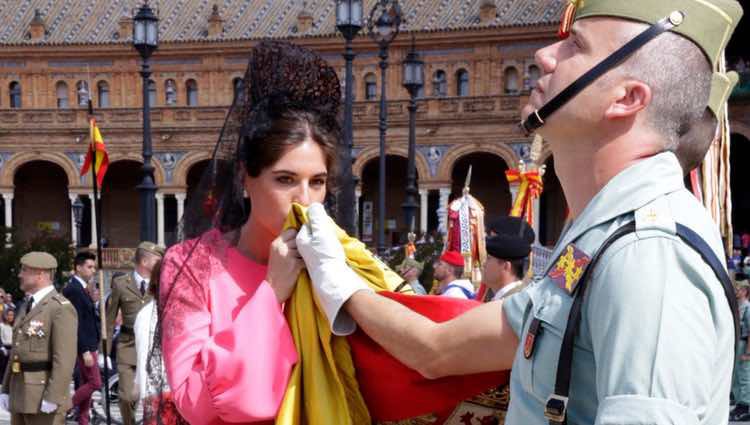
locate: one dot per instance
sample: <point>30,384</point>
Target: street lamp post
<point>413,70</point>
<point>78,219</point>
<point>348,22</point>
<point>383,26</point>
<point>146,41</point>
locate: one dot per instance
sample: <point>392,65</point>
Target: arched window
<point>102,92</point>
<point>462,82</point>
<point>151,93</point>
<point>61,91</point>
<point>237,87</point>
<point>15,94</point>
<point>82,93</point>
<point>511,81</point>
<point>170,92</point>
<point>439,84</point>
<point>534,74</point>
<point>371,87</point>
<point>192,92</point>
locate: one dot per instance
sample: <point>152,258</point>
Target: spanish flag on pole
<point>96,148</point>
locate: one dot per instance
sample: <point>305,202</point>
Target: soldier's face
<point>492,272</point>
<point>300,176</point>
<point>31,278</point>
<point>590,41</point>
<point>86,270</point>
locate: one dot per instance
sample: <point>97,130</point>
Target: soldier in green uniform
<point>741,378</point>
<point>39,372</point>
<point>129,294</point>
<point>629,102</point>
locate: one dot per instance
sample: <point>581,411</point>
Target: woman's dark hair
<point>153,284</point>
<point>285,129</point>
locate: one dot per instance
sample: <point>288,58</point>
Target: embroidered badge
<point>35,329</point>
<point>569,268</point>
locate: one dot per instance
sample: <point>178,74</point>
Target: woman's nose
<point>302,196</point>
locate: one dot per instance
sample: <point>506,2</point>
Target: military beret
<point>512,238</point>
<point>410,263</point>
<point>707,23</point>
<point>454,258</point>
<point>39,260</point>
<point>152,248</point>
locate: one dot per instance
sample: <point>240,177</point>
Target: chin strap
<point>537,118</point>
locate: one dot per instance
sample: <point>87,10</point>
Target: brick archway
<point>368,154</point>
<point>16,161</point>
<point>158,169</point>
<point>181,170</point>
<point>502,150</point>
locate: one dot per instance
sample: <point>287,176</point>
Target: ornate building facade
<point>479,68</point>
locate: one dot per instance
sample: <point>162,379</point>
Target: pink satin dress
<point>227,347</point>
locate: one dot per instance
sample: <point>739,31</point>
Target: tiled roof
<point>96,21</point>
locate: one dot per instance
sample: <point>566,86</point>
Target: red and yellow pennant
<point>529,188</point>
<point>568,16</point>
<point>96,148</point>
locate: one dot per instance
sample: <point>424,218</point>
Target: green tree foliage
<point>58,246</point>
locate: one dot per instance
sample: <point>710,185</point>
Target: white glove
<point>48,407</point>
<point>4,402</point>
<point>333,280</point>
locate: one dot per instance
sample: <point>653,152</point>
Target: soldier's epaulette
<point>61,299</point>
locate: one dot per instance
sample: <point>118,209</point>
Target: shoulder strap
<point>467,293</point>
<point>556,407</point>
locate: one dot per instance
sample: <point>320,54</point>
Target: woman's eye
<point>318,182</point>
<point>285,180</point>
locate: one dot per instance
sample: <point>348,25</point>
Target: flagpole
<point>98,224</point>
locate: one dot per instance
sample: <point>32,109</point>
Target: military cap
<point>410,263</point>
<point>707,23</point>
<point>152,248</point>
<point>512,238</point>
<point>39,260</point>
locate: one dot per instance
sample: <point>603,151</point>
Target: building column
<point>423,193</point>
<point>8,201</point>
<point>442,212</point>
<point>94,236</point>
<point>73,227</point>
<point>159,218</point>
<point>180,204</point>
<point>357,197</point>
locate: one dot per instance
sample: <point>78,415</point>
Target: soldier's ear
<point>629,98</point>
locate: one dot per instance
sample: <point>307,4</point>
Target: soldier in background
<point>37,378</point>
<point>129,295</point>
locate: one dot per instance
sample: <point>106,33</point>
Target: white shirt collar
<point>505,289</point>
<point>81,281</point>
<point>40,294</point>
<point>139,278</point>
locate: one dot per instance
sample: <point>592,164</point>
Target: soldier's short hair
<point>140,254</point>
<point>679,75</point>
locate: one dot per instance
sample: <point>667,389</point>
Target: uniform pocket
<point>38,344</point>
<point>38,378</point>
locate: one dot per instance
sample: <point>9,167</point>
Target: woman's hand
<point>284,264</point>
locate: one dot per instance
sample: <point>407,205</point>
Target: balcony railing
<point>450,108</point>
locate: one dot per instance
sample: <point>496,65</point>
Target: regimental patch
<point>569,268</point>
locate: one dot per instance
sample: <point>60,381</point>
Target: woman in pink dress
<point>227,349</point>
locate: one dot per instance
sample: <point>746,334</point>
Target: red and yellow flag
<point>96,148</point>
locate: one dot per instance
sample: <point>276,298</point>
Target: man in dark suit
<point>78,292</point>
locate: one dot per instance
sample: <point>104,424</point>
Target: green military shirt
<point>48,334</point>
<point>656,339</point>
<point>126,297</point>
